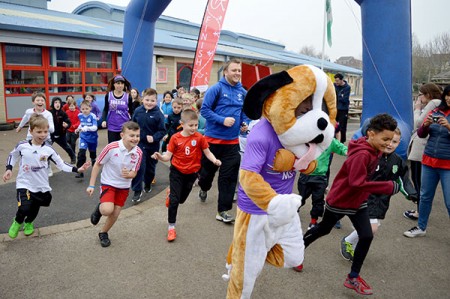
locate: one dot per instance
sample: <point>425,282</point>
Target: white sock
<point>171,225</point>
<point>352,238</point>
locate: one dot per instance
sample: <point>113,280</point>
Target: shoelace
<point>349,248</point>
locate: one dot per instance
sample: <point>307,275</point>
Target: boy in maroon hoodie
<point>350,190</point>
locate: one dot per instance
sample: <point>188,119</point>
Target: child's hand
<point>217,162</point>
<point>125,172</point>
<point>165,137</point>
<point>149,139</point>
<point>77,131</point>
<point>104,124</point>
<point>90,190</point>
<point>18,129</point>
<point>85,166</point>
<point>64,124</point>
<point>157,156</point>
<point>7,175</point>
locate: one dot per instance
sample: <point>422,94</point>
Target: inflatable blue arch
<point>387,64</point>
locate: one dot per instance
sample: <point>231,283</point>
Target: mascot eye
<point>304,107</point>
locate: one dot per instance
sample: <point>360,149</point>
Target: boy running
<point>390,167</point>
<point>33,189</point>
<point>349,192</point>
<point>185,148</point>
<point>121,160</point>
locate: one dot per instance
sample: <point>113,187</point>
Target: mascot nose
<point>319,138</point>
<point>322,123</point>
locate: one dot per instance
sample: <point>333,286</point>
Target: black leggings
<point>360,221</point>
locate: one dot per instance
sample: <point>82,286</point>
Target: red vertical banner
<point>207,43</point>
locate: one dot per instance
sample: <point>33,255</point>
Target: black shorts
<point>42,198</point>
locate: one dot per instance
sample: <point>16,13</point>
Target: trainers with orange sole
<point>171,235</point>
<point>359,285</point>
<point>167,197</point>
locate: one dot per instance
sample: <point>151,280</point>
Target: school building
<point>72,53</point>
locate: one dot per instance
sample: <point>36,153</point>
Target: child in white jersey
<point>38,99</point>
<point>33,189</point>
<point>121,160</point>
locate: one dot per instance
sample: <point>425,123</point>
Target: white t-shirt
<point>33,174</point>
<point>114,157</point>
<point>47,114</point>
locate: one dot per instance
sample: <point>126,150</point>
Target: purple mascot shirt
<point>262,144</point>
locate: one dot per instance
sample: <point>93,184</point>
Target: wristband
<point>93,187</point>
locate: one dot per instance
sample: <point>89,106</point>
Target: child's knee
<point>107,208</point>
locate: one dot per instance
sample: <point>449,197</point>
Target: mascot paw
<point>226,277</point>
<point>284,160</point>
<point>283,208</point>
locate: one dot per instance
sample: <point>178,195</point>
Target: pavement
<point>65,260</point>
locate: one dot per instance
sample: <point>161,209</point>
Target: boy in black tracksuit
<point>151,123</point>
<point>390,167</point>
<point>61,123</point>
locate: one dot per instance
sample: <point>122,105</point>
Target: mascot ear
<point>257,94</point>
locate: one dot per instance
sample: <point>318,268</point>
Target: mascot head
<point>300,103</point>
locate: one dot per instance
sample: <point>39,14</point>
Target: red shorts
<point>114,195</point>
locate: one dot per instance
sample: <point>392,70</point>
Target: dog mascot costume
<point>297,108</point>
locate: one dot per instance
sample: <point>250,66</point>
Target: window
<point>23,55</point>
<point>65,81</point>
<point>184,74</point>
<point>98,59</point>
<point>64,57</point>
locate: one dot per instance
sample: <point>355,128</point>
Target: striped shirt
<point>114,157</point>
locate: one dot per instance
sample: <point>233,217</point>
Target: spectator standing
<point>343,102</point>
<point>435,162</point>
<point>427,100</point>
<point>222,109</point>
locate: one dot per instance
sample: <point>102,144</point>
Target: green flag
<point>329,21</point>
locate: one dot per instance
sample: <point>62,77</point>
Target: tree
<point>431,58</point>
<point>312,52</point>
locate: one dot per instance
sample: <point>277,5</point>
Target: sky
<point>298,23</point>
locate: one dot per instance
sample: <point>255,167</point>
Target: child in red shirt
<point>185,149</point>
<point>72,112</point>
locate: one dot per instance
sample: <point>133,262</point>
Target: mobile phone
<point>435,119</point>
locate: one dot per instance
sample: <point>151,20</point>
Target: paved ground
<point>66,260</point>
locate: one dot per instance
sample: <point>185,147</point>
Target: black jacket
<point>343,96</point>
<point>59,116</point>
<point>390,167</point>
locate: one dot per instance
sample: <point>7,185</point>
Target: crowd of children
<point>129,161</point>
